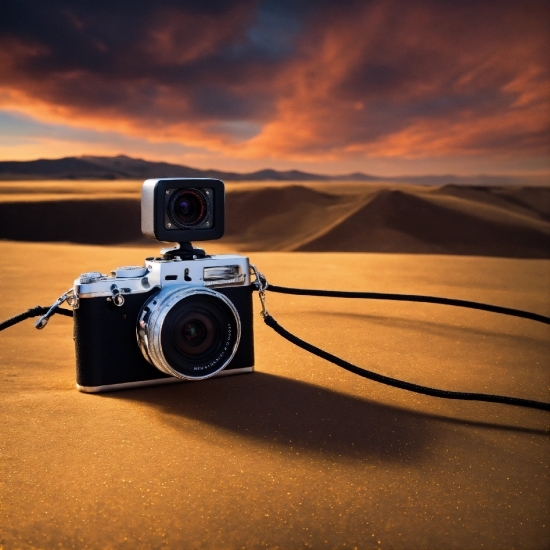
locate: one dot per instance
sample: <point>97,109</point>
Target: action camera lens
<point>188,208</point>
<point>191,333</point>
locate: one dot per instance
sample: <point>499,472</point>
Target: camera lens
<point>195,332</point>
<point>198,335</point>
<point>190,333</point>
<point>188,208</point>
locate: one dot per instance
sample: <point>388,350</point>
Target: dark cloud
<point>287,77</point>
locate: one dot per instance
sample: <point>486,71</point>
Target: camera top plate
<point>212,271</point>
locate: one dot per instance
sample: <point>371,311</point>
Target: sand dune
<point>284,217</point>
<point>394,220</point>
<point>451,219</point>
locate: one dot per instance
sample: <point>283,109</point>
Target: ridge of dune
<point>536,199</point>
<point>280,218</point>
<point>491,211</point>
<point>531,201</point>
<point>395,220</point>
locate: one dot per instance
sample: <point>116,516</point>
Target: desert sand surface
<point>299,453</point>
<point>308,217</point>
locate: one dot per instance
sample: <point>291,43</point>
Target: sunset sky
<point>383,87</point>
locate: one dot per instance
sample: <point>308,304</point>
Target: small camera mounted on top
<point>185,315</point>
<point>181,210</point>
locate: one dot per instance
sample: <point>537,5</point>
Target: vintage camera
<point>182,316</point>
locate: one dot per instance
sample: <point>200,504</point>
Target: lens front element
<point>188,208</point>
<point>189,333</point>
<point>194,335</point>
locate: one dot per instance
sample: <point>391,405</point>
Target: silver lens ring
<point>152,318</point>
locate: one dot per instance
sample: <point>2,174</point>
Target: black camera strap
<point>262,285</point>
<point>411,298</point>
<point>36,311</point>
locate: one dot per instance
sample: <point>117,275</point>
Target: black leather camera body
<point>184,315</point>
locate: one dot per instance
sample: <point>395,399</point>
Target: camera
<point>184,315</point>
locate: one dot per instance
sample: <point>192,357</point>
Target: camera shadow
<point>282,412</point>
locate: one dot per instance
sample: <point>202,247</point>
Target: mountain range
<point>124,167</point>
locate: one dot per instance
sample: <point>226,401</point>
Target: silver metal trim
<point>155,382</point>
<point>239,280</point>
<point>91,277</point>
<point>149,333</point>
<point>129,272</point>
<point>70,297</point>
<point>158,270</point>
<point>148,207</point>
<point>109,294</point>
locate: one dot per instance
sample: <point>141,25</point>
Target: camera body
<point>182,316</point>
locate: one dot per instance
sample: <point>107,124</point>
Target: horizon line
<point>537,175</point>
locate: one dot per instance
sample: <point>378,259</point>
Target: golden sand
<point>299,453</point>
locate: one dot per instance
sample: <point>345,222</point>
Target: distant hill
<point>123,167</point>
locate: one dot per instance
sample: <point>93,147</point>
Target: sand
<point>299,453</point>
<point>509,222</point>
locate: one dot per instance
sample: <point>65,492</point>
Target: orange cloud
<point>481,95</point>
<point>315,81</point>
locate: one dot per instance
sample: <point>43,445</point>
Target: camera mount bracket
<point>183,251</point>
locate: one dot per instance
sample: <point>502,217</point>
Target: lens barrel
<point>190,333</point>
